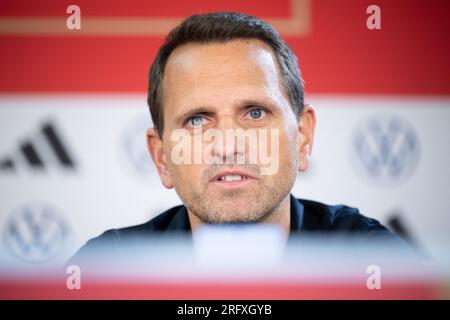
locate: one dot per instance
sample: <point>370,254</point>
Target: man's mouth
<point>232,178</point>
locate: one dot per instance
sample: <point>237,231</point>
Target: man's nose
<point>227,122</point>
<point>228,149</point>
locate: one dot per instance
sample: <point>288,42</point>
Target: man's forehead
<point>221,49</point>
<point>253,57</point>
<point>197,70</point>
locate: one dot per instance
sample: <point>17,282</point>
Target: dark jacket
<point>306,217</point>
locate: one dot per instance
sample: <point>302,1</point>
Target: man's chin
<point>231,219</point>
<point>232,204</point>
<point>233,213</point>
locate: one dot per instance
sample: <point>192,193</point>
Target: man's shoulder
<point>114,239</point>
<point>160,223</point>
<point>318,216</point>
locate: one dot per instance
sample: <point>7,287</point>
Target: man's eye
<point>196,121</point>
<point>256,114</point>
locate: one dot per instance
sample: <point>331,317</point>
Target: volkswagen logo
<point>35,232</point>
<point>386,149</point>
<point>134,150</point>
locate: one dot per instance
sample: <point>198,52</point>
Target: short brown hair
<point>222,27</point>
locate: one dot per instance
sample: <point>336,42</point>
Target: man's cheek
<point>288,157</point>
<point>187,174</point>
<point>267,151</point>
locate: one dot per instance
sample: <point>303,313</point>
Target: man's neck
<point>281,216</point>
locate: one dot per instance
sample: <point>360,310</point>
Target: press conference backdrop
<point>73,114</point>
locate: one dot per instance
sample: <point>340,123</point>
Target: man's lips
<point>232,178</point>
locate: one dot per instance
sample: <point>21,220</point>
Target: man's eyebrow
<point>255,103</point>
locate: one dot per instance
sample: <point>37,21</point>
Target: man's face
<point>231,85</point>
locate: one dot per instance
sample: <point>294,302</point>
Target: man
<point>222,72</point>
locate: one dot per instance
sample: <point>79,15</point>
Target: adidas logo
<point>46,149</point>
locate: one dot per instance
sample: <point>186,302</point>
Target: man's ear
<point>156,150</point>
<point>306,132</point>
